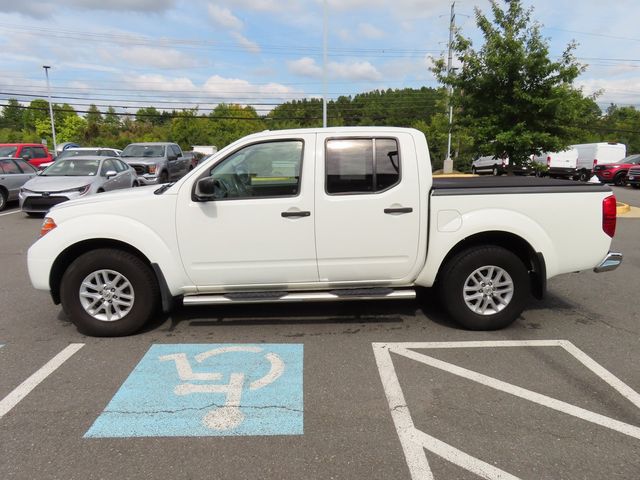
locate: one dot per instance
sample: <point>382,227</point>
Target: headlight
<point>80,190</point>
<point>152,169</point>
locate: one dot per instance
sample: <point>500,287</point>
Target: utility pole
<point>448,163</point>
<point>324,64</point>
<point>53,126</point>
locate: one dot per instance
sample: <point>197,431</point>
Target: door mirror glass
<point>206,189</point>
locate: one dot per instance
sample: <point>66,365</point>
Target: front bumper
<point>610,262</point>
<point>34,202</point>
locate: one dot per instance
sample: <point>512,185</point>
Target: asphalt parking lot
<point>353,391</point>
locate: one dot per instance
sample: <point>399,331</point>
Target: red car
<point>34,153</point>
<point>616,173</point>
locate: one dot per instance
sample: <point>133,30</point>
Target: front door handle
<point>391,211</point>
<point>296,214</point>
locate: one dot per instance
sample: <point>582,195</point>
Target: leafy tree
<point>12,115</point>
<point>94,122</point>
<point>516,100</point>
<point>150,115</point>
<point>228,123</point>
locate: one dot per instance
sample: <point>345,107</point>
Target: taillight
<point>548,161</point>
<point>47,226</point>
<point>595,162</point>
<point>609,215</point>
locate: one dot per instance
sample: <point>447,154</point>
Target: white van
<point>592,154</point>
<point>559,164</point>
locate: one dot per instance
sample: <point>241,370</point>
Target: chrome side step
<point>291,297</point>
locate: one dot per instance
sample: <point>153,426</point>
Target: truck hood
<point>116,196</point>
<point>57,184</point>
<point>141,160</point>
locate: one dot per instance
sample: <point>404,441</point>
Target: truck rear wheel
<point>109,293</point>
<point>485,287</point>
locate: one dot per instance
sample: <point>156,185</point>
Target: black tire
<point>3,199</point>
<point>636,186</point>
<point>142,285</point>
<point>164,177</point>
<point>456,275</point>
<point>473,171</point>
<point>36,214</point>
<point>495,172</point>
<point>620,180</point>
<point>100,190</point>
<point>583,176</point>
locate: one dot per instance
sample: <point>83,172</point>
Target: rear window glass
<point>361,165</point>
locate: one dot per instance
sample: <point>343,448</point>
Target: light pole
<point>324,64</point>
<point>53,126</point>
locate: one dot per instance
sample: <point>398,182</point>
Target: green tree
<point>12,115</point>
<point>94,123</point>
<point>515,99</point>
<point>150,115</point>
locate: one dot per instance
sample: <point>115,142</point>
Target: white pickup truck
<point>320,215</point>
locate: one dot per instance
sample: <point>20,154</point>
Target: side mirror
<point>111,174</point>
<point>208,189</point>
<point>26,158</point>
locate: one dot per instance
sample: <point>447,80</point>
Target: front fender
<point>43,254</point>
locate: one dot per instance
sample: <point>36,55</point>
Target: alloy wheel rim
<point>106,295</point>
<point>488,290</point>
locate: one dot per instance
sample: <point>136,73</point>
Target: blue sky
<point>175,53</point>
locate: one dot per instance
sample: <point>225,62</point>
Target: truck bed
<point>510,185</point>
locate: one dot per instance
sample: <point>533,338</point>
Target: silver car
<point>73,178</point>
<point>14,172</point>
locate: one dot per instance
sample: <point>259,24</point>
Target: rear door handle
<point>391,211</point>
<point>296,214</point>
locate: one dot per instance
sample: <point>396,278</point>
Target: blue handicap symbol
<point>209,390</point>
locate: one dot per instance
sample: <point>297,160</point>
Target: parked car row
<point>39,182</point>
<point>608,161</point>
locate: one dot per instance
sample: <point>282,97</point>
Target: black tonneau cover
<point>509,185</point>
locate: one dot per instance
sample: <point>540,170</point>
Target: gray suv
<point>156,162</point>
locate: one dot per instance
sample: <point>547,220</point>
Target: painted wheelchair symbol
<point>229,415</point>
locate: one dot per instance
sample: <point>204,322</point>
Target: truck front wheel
<point>109,293</point>
<point>484,288</point>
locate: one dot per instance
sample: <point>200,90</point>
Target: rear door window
<point>9,167</point>
<point>25,167</point>
<point>355,165</point>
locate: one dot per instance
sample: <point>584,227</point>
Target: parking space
<point>299,392</point>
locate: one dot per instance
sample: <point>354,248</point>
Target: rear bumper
<point>610,262</point>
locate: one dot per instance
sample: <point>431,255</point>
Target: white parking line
<point>10,213</point>
<point>414,441</point>
<point>22,390</point>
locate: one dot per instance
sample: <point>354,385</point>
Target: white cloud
<point>353,70</point>
<point>305,66</point>
<point>247,44</point>
<point>155,57</point>
<point>224,18</point>
<point>274,6</point>
<point>621,91</point>
<point>367,30</point>
<point>42,9</point>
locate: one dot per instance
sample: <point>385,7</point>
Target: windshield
<point>630,159</point>
<point>143,151</point>
<point>8,151</point>
<point>75,153</point>
<point>72,168</point>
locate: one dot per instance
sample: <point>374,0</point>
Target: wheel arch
<point>66,257</point>
<point>533,260</point>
